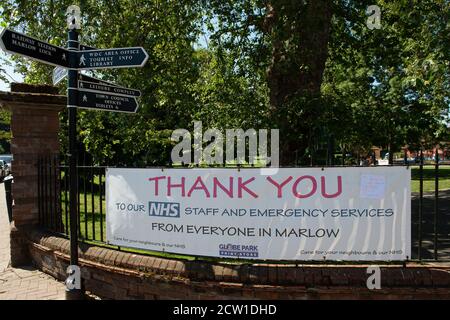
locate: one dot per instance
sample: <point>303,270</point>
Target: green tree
<point>166,29</point>
<point>313,69</point>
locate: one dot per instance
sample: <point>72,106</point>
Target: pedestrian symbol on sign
<point>82,60</point>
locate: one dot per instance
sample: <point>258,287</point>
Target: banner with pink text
<point>353,213</point>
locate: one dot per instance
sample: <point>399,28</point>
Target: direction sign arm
<point>112,58</point>
<point>18,43</point>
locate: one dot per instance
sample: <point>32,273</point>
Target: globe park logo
<point>238,250</point>
<point>208,148</point>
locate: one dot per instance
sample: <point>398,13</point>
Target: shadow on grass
<point>429,173</point>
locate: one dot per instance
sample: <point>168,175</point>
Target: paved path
<point>443,225</point>
<point>24,283</point>
<point>4,232</point>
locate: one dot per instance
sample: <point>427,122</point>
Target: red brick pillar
<point>34,128</point>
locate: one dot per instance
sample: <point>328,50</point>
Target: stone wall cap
<point>10,100</point>
<point>33,88</point>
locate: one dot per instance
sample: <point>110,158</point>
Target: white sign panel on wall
<point>356,213</point>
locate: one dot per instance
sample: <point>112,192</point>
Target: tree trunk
<point>299,33</point>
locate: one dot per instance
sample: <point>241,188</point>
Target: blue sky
<point>10,71</point>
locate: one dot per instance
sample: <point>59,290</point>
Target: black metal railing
<point>50,213</point>
<point>430,206</point>
<point>53,189</point>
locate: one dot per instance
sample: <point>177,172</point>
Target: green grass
<point>428,178</point>
<point>92,224</point>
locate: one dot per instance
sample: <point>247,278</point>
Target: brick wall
<point>34,127</point>
<point>120,275</point>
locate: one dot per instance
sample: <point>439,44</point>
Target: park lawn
<point>428,178</point>
<point>92,223</point>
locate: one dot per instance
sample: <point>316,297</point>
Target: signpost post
<point>92,94</point>
<point>74,293</point>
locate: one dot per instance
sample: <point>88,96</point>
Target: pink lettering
<point>313,190</point>
<point>279,186</point>
<point>201,186</point>
<point>334,195</point>
<point>241,186</point>
<point>228,191</point>
<point>179,185</point>
<point>156,179</point>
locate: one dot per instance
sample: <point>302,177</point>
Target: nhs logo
<point>164,209</point>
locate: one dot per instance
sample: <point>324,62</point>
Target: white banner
<point>355,213</point>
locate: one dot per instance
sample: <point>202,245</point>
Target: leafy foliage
<point>311,68</point>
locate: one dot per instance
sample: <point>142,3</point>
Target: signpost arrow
<point>102,101</point>
<point>104,88</point>
<point>15,42</point>
<point>111,58</point>
<point>83,77</point>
